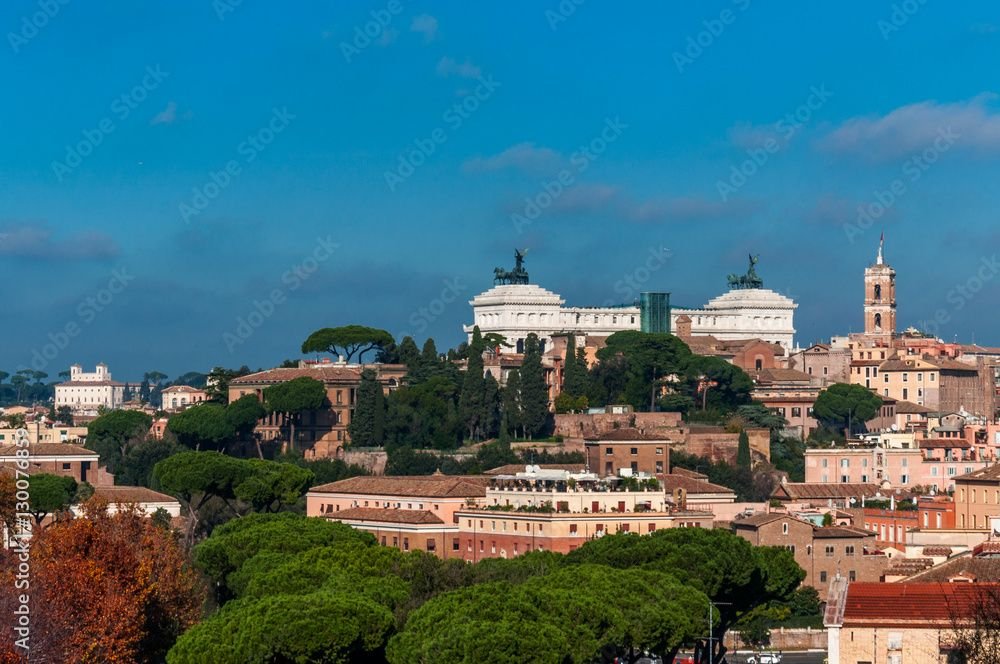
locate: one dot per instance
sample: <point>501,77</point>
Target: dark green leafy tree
<point>293,398</point>
<point>490,417</point>
<point>347,341</point>
<point>640,362</point>
<point>511,407</point>
<point>534,391</point>
<point>842,407</point>
<point>732,385</point>
<point>244,414</point>
<point>270,486</point>
<point>195,478</point>
<point>137,466</point>
<point>575,382</point>
<point>759,415</point>
<point>409,354</point>
<point>321,627</point>
<point>217,382</point>
<point>203,426</point>
<point>114,433</point>
<point>367,426</point>
<point>49,494</point>
<point>424,415</point>
<point>470,402</point>
<point>429,353</point>
<point>743,458</point>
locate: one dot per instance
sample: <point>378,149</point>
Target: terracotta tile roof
<point>132,494</point>
<point>988,474</point>
<point>824,490</point>
<point>758,520</point>
<point>983,569</point>
<point>514,468</point>
<point>691,485</point>
<point>180,388</point>
<point>950,365</point>
<point>943,443</point>
<point>385,515</point>
<point>628,434</point>
<point>913,603</point>
<point>418,486</point>
<point>688,473</point>
<point>325,373</point>
<point>910,408</point>
<point>49,449</point>
<point>839,532</point>
<point>937,551</point>
<point>782,376</point>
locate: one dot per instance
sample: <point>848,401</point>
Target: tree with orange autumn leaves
<point>103,588</point>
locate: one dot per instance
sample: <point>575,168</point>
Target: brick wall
<point>581,425</point>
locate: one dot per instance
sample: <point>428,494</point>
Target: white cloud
<point>523,156</point>
<point>426,25</point>
<point>915,127</point>
<point>449,67</point>
<point>167,115</point>
<point>38,241</point>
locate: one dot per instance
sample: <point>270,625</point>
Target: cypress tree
<point>575,370</point>
<point>470,402</point>
<point>512,402</point>
<point>429,355</point>
<point>743,452</point>
<point>534,392</point>
<point>491,406</point>
<point>409,354</point>
<point>367,420</point>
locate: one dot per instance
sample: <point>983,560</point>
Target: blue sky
<point>202,184</point>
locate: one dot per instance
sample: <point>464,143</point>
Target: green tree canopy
<point>137,466</point>
<point>204,425</point>
<point>112,434</point>
<point>320,627</point>
<point>843,406</point>
<point>347,341</point>
<point>424,415</point>
<point>294,397</point>
<point>367,426</point>
<point>48,494</point>
<point>534,401</point>
<point>244,413</point>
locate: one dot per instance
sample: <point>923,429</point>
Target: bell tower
<point>880,297</point>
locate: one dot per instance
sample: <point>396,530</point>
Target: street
<point>793,657</point>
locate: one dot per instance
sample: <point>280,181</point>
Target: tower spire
<point>881,244</point>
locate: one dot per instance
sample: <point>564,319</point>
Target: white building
<point>515,310</point>
<point>86,392</point>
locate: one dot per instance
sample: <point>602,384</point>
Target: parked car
<point>765,658</point>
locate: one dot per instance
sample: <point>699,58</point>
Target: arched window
<point>878,292</point>
<point>758,364</point>
<point>878,321</point>
<point>520,345</point>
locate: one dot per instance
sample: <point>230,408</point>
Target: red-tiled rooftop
<point>132,494</point>
<point>48,450</point>
<point>943,443</point>
<point>901,604</point>
<point>385,515</point>
<point>825,490</point>
<point>326,372</point>
<point>418,486</point>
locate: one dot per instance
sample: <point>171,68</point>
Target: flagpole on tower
<point>881,244</point>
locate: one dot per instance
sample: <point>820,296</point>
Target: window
<point>659,451</point>
<point>822,577</point>
<point>431,544</point>
<point>829,551</point>
<point>906,377</point>
<point>845,463</point>
<point>852,575</point>
<point>659,466</point>
<point>383,540</point>
<point>406,544</point>
<point>493,546</point>
<point>633,450</point>
<point>784,529</point>
<point>608,451</point>
<point>895,641</point>
<point>65,466</point>
<point>572,529</point>
<point>849,550</point>
<point>454,544</point>
<point>796,411</point>
<point>652,528</point>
